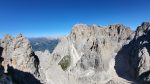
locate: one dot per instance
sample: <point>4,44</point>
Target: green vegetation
<point>65,62</point>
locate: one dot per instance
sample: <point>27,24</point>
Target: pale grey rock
<point>111,82</point>
<point>51,72</point>
<point>98,44</point>
<point>18,55</point>
<point>92,48</point>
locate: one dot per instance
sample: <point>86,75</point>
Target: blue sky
<point>36,18</point>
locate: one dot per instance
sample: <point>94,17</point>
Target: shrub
<point>65,62</point>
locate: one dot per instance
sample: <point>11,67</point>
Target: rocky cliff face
<point>90,54</point>
<point>96,46</point>
<point>19,57</point>
<point>92,50</point>
<point>137,56</point>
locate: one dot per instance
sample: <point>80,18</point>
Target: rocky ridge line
<point>90,54</point>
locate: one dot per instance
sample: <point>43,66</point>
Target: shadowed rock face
<point>135,56</point>
<point>22,77</point>
<point>4,79</point>
<point>1,51</point>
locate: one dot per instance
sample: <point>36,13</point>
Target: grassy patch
<point>65,62</point>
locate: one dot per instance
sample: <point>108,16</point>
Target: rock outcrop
<point>18,54</point>
<point>97,45</point>
<point>92,50</point>
<point>136,56</point>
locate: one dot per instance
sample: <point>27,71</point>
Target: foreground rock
<point>136,56</point>
<point>19,59</point>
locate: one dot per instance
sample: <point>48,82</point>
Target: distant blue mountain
<point>42,44</point>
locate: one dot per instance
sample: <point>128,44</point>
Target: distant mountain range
<point>43,43</point>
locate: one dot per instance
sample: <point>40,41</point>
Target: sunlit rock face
<point>97,45</point>
<point>17,53</point>
<point>92,50</point>
<point>90,54</point>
